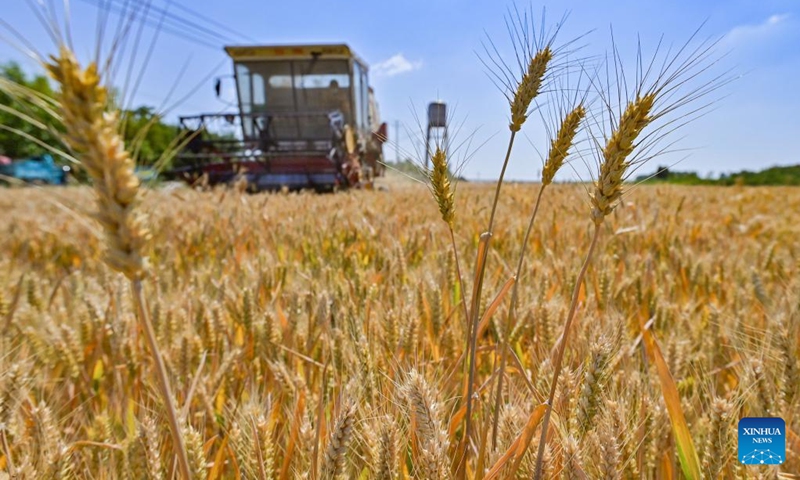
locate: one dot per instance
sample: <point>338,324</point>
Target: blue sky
<point>425,50</point>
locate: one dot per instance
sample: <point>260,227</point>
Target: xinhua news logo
<point>762,441</point>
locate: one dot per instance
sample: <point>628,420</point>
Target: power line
<point>165,26</point>
<point>165,21</point>
<point>211,21</point>
<point>148,4</point>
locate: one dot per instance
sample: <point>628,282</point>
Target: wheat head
<point>442,189</point>
<point>608,188</point>
<point>93,134</point>
<point>559,146</point>
<point>529,87</point>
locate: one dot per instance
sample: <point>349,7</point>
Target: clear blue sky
<point>423,50</point>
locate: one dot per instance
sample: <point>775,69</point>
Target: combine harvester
<point>307,119</point>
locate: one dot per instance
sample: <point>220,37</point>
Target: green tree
<point>13,129</point>
<point>147,135</point>
<point>145,131</point>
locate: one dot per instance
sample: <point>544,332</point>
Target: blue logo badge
<point>762,441</point>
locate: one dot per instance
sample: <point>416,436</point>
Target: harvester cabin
<point>297,88</point>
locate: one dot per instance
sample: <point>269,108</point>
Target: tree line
<point>777,175</point>
<point>142,124</point>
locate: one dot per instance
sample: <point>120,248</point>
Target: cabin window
<point>314,86</point>
<point>245,103</point>
<point>271,95</point>
<point>243,79</point>
<point>259,92</point>
<point>322,85</point>
<point>359,101</point>
<point>364,92</point>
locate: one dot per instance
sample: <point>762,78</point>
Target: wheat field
<point>322,336</point>
<point>440,330</point>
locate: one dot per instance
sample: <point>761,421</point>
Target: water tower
<point>437,127</point>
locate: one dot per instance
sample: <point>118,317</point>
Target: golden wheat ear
<point>536,57</point>
<point>431,438</point>
<point>608,187</point>
<point>440,185</point>
<point>538,62</point>
<point>561,142</point>
<point>670,90</point>
<point>92,133</point>
<point>654,96</point>
<point>339,441</point>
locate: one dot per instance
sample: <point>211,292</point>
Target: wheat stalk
<point>559,150</point>
<point>93,134</point>
<point>526,91</point>
<point>608,189</point>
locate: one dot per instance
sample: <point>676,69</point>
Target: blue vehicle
<point>146,174</point>
<point>40,170</point>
